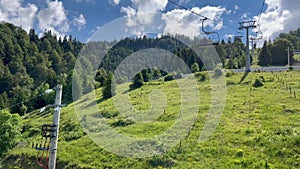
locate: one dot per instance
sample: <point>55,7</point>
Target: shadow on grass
<point>244,76</point>
<point>38,114</point>
<point>131,88</point>
<point>96,102</point>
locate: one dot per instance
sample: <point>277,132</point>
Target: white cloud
<point>176,21</point>
<point>80,22</point>
<point>142,13</point>
<point>13,11</point>
<point>184,22</point>
<point>236,7</point>
<point>114,2</point>
<point>53,17</point>
<point>147,6</point>
<point>131,16</point>
<point>117,2</point>
<point>140,7</point>
<point>280,16</point>
<point>245,16</point>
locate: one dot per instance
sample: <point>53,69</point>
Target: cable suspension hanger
<point>216,41</point>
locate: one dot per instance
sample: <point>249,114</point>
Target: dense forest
<point>31,64</point>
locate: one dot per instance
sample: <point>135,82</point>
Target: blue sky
<point>83,18</point>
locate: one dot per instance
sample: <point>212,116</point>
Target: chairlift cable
<point>183,7</point>
<point>262,8</point>
<point>25,101</point>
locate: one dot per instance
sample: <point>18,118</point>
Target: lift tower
<point>247,25</point>
<point>56,118</point>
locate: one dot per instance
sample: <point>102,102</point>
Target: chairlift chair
<point>213,36</point>
<point>259,33</point>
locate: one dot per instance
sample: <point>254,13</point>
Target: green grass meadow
<point>297,57</point>
<point>259,128</point>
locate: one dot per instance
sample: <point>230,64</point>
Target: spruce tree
<point>264,57</point>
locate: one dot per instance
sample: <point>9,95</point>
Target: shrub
<point>109,87</point>
<point>257,83</point>
<point>291,68</point>
<point>71,131</point>
<point>106,114</point>
<point>195,67</point>
<point>161,162</point>
<point>168,78</point>
<point>10,130</point>
<point>229,74</point>
<point>122,123</point>
<point>138,81</point>
<point>218,72</point>
<point>200,76</point>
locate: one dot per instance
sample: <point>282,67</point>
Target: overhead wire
<point>27,100</point>
<point>183,7</point>
<point>204,17</point>
<point>262,8</point>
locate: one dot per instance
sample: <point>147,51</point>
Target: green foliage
<point>73,131</point>
<point>122,123</point>
<point>161,162</point>
<point>201,76</point>
<point>109,87</point>
<point>101,76</point>
<point>279,53</point>
<point>76,86</point>
<point>275,53</point>
<point>264,56</point>
<point>156,73</point>
<point>10,130</point>
<point>27,62</point>
<point>257,83</point>
<point>249,123</point>
<point>195,67</point>
<point>138,81</point>
<point>169,77</point>
<point>4,102</point>
<point>292,36</point>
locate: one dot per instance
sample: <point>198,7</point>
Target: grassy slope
<point>258,129</point>
<point>297,57</point>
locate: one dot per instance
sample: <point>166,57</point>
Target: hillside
<point>258,129</point>
<point>31,64</point>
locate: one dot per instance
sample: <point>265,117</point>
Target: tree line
<point>274,53</point>
<point>31,63</point>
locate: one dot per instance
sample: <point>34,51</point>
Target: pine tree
<point>195,67</point>
<point>109,87</point>
<point>137,81</point>
<point>264,57</point>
